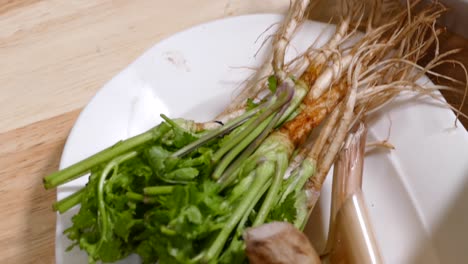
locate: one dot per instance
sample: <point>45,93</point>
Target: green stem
<point>65,204</point>
<point>300,91</point>
<point>298,178</point>
<point>303,217</point>
<point>158,190</point>
<point>270,198</point>
<point>135,196</point>
<point>264,172</point>
<point>266,119</point>
<point>275,103</point>
<point>229,174</point>
<point>217,132</point>
<point>81,168</point>
<point>171,122</point>
<point>241,225</point>
<point>248,128</point>
<point>305,171</point>
<point>112,165</point>
<point>150,200</point>
<point>240,188</point>
<point>238,148</point>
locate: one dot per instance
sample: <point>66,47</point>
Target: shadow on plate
<point>449,236</point>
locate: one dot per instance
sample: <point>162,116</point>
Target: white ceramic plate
<point>417,194</point>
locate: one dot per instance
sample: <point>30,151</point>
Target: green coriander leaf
<point>234,254</point>
<point>181,175</point>
<point>123,225</point>
<point>301,209</point>
<point>194,215</point>
<point>156,157</point>
<point>251,104</point>
<point>181,136</point>
<point>147,253</point>
<point>285,211</point>
<point>272,83</point>
<point>112,250</point>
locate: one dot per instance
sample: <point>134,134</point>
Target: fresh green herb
<point>272,83</point>
<point>160,194</point>
<point>251,104</point>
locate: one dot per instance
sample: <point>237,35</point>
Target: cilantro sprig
<point>177,195</point>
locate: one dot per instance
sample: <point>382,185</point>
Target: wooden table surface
<point>54,56</point>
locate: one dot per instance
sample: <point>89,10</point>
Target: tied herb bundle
<point>185,192</point>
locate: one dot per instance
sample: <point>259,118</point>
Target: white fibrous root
<point>382,65</point>
<point>274,63</point>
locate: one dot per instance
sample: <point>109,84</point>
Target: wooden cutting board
<point>54,55</point>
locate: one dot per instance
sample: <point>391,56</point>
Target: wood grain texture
<point>27,225</point>
<point>55,55</point>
